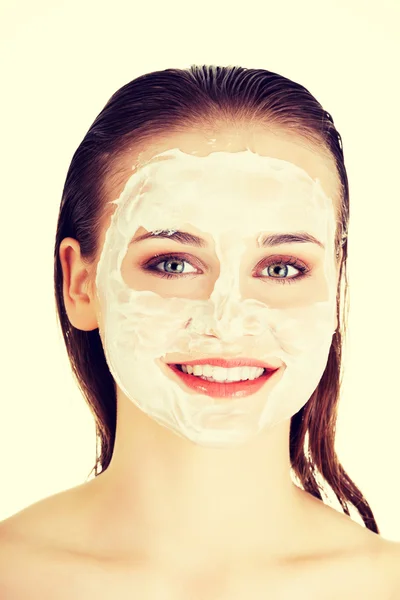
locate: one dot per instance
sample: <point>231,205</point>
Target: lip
<point>229,363</point>
<point>215,389</point>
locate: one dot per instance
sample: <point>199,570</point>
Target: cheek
<point>296,294</point>
<point>137,278</point>
<point>197,283</point>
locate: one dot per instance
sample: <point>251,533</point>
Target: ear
<point>79,297</point>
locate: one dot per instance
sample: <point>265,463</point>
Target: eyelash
<point>150,266</point>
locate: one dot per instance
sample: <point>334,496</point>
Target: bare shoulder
<point>383,570</point>
<point>355,563</point>
<point>351,560</point>
<point>372,569</point>
<point>15,561</point>
<point>30,544</point>
<point>11,564</point>
<point>390,562</point>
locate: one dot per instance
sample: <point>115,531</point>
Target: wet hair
<point>177,100</point>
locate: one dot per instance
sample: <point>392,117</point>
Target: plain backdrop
<point>60,63</point>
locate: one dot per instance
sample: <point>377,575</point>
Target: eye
<point>171,266</point>
<point>279,270</point>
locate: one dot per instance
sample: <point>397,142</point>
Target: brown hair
<point>156,104</point>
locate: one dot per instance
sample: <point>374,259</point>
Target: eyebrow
<point>274,239</point>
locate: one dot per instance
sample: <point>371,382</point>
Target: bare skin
<point>48,551</point>
<point>169,519</point>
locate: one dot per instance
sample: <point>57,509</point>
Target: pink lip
<point>224,390</point>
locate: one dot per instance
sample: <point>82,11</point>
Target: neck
<point>172,498</point>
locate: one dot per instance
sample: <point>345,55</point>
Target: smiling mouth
<point>256,372</point>
<point>239,386</point>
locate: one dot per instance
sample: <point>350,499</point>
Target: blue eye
<point>282,266</point>
<point>169,260</point>
<point>176,262</point>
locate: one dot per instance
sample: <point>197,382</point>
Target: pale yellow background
<point>60,63</point>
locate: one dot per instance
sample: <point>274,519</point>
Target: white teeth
<point>222,374</point>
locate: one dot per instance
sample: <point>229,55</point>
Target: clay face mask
<point>241,201</point>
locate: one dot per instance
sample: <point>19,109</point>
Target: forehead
<point>265,142</point>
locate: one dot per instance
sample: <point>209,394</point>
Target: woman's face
<point>229,286</point>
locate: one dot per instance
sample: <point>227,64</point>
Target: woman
<point>182,504</point>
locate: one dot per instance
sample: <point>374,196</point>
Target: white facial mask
<point>237,198</point>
